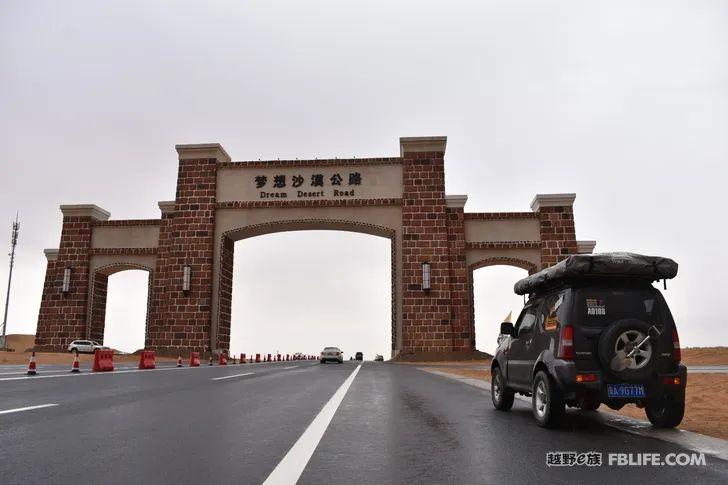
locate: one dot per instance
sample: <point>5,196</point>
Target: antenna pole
<point>13,243</point>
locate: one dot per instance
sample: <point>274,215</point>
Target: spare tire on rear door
<point>618,341</point>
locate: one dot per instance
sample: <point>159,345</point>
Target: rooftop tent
<point>604,265</point>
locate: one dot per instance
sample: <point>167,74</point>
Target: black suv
<point>359,356</point>
<point>594,331</point>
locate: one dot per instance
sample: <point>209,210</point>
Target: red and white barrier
<point>146,360</point>
<point>103,361</point>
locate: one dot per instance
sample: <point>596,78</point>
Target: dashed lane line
<point>292,465</point>
<point>28,408</point>
<point>234,375</point>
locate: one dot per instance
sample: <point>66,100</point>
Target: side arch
<point>98,292</point>
<point>492,261</point>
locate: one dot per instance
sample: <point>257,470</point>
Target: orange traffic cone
<point>210,360</point>
<point>31,365</point>
<point>76,367</point>
<point>179,361</point>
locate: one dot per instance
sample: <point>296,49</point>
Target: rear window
<point>602,306</point>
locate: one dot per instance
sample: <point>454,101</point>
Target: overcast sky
<point>624,103</point>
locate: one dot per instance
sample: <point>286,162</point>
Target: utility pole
<point>13,243</point>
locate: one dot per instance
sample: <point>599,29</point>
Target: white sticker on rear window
<point>595,307</point>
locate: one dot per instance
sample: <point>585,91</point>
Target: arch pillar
<point>181,319</point>
<point>558,235</point>
<point>62,316</point>
<point>99,293</point>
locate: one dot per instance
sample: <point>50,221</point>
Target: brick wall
<point>225,291</point>
<point>426,316</point>
<point>462,324</point>
<point>180,321</point>
<point>98,306</point>
<point>558,235</point>
<point>62,316</point>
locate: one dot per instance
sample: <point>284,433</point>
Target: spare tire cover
<point>618,340</point>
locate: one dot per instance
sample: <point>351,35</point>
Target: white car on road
<point>85,346</point>
<point>332,354</point>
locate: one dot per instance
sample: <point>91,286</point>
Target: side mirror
<point>507,329</point>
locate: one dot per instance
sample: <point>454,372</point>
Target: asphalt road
<point>378,424</point>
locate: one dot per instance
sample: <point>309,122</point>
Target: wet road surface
<point>391,424</point>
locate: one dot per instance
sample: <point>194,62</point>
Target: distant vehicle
<point>359,356</point>
<point>298,356</point>
<point>332,354</point>
<point>378,358</point>
<point>85,346</point>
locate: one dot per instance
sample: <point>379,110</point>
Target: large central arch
<point>189,249</point>
<point>222,291</point>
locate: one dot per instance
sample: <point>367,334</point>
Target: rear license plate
<point>626,390</point>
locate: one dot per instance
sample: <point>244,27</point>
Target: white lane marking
<point>234,375</point>
<point>292,465</point>
<point>291,367</point>
<point>17,410</point>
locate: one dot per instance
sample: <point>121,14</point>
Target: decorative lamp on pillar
<point>425,276</point>
<point>66,280</point>
<point>186,278</point>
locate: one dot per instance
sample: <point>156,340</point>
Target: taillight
<point>566,343</point>
<point>676,354</point>
<point>671,380</point>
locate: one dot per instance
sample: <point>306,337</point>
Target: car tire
<point>501,396</point>
<point>608,341</point>
<point>665,413</point>
<point>323,361</point>
<point>547,402</point>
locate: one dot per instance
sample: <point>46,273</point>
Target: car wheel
<point>323,361</point>
<point>665,413</point>
<point>547,401</point>
<point>502,396</point>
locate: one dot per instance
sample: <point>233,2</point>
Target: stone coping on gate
<point>197,151</point>
<point>422,144</point>
<point>85,210</point>
<point>552,200</point>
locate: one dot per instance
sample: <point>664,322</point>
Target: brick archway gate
<point>189,249</point>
